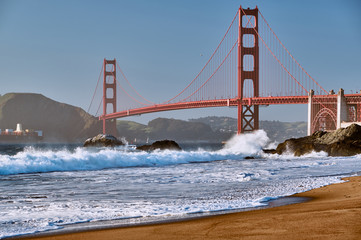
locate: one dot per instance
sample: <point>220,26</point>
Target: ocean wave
<point>32,160</point>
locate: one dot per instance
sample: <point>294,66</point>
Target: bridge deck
<point>206,104</point>
<point>350,99</point>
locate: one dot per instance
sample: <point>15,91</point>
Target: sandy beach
<point>333,213</point>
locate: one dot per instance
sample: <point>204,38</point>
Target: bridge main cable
<point>91,102</point>
<point>152,103</point>
<point>276,56</point>
<point>224,36</point>
<point>235,44</point>
<point>290,53</point>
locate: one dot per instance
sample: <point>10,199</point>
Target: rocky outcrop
<point>161,145</point>
<point>342,142</point>
<point>103,140</point>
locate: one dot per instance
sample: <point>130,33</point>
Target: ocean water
<point>51,187</point>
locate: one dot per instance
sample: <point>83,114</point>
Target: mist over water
<point>45,188</point>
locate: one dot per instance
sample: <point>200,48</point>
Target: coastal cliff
<point>59,122</point>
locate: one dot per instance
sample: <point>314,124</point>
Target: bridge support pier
<point>341,108</point>
<point>309,113</point>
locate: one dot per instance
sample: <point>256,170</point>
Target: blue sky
<point>56,47</point>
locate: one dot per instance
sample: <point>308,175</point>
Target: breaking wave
<point>32,160</point>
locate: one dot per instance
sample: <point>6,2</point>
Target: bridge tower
<point>109,96</point>
<point>248,69</point>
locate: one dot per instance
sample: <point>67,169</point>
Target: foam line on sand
<point>333,213</point>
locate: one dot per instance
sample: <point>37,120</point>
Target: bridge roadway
<point>350,99</point>
<point>206,104</point>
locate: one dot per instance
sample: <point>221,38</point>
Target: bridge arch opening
<point>248,63</point>
<point>110,93</point>
<point>325,120</point>
<point>248,88</point>
<point>248,41</point>
<point>109,67</point>
<point>110,108</point>
<point>109,79</point>
<point>248,21</point>
<point>352,113</point>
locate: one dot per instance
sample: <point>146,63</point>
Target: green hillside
<point>213,129</point>
<point>276,130</point>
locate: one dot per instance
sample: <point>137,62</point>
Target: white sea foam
<point>33,161</point>
<point>137,185</point>
<point>54,215</point>
<point>246,144</point>
<point>84,159</point>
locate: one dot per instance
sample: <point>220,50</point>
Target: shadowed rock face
<point>103,140</point>
<point>342,142</point>
<point>161,145</point>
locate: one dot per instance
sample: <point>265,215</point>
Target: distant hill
<point>59,122</point>
<point>213,129</point>
<point>165,128</point>
<point>132,130</point>
<point>179,129</point>
<point>280,131</point>
<point>276,130</point>
<point>62,122</point>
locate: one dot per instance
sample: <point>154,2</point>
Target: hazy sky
<point>56,47</point>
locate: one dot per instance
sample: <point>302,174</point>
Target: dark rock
<point>249,157</point>
<point>342,142</point>
<point>271,151</point>
<point>161,145</point>
<point>103,140</point>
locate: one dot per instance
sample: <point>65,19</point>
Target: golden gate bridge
<point>250,67</point>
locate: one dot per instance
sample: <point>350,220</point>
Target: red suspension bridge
<point>250,67</point>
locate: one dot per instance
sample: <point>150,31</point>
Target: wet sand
<point>334,212</point>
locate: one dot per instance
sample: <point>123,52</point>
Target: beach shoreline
<point>333,212</point>
<point>120,223</point>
